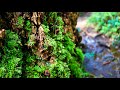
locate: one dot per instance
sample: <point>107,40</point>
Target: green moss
<point>64,49</point>
<point>10,65</point>
<point>18,59</point>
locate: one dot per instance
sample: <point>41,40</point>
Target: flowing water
<point>99,58</point>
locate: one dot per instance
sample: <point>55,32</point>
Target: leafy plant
<point>20,22</point>
<point>28,25</point>
<point>106,22</point>
<point>10,65</point>
<point>80,54</point>
<point>59,69</point>
<point>35,72</point>
<point>116,42</point>
<point>64,49</point>
<point>76,69</point>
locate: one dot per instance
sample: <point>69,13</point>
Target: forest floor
<point>99,59</point>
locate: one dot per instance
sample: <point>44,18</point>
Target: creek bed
<point>99,58</point>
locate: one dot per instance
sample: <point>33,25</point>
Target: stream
<point>99,58</point>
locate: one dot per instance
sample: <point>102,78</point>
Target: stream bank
<point>99,58</point>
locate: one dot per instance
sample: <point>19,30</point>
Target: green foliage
<point>28,25</point>
<point>16,62</point>
<point>35,71</point>
<point>11,57</point>
<point>69,44</point>
<point>20,22</point>
<point>30,58</point>
<point>116,41</point>
<point>31,40</point>
<point>31,37</point>
<point>59,69</point>
<point>10,66</point>
<point>66,52</point>
<point>80,53</point>
<point>25,24</point>
<point>106,22</point>
<point>77,69</point>
<point>46,29</point>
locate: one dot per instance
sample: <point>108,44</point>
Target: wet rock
<point>108,56</point>
<point>99,56</point>
<point>102,40</point>
<point>100,63</point>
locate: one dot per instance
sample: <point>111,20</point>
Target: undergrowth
<point>107,23</point>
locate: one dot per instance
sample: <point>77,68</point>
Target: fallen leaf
<point>108,62</point>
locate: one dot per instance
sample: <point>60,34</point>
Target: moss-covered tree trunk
<point>47,41</point>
